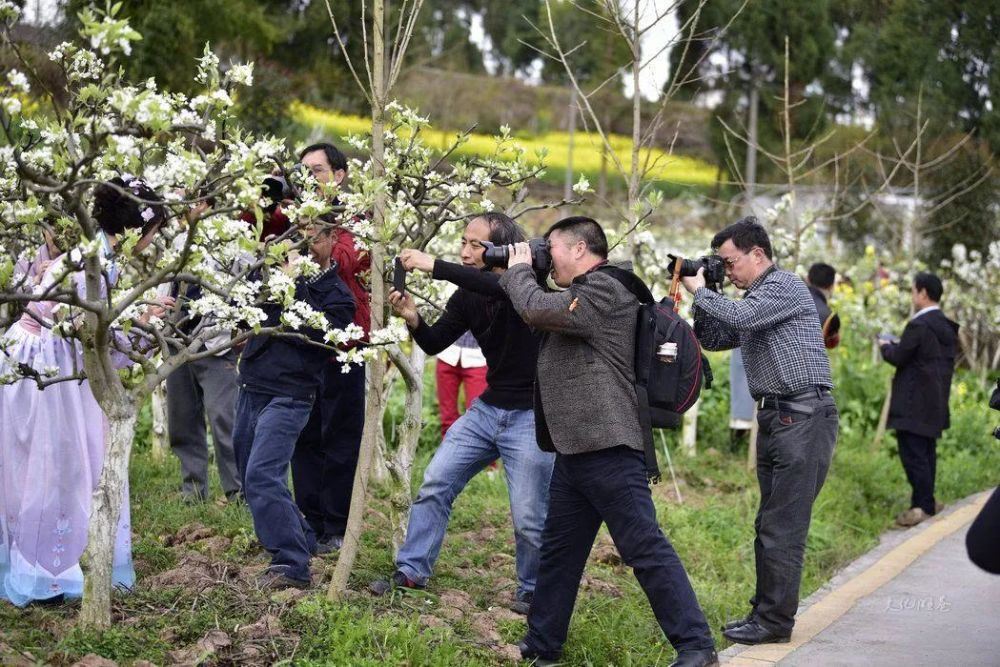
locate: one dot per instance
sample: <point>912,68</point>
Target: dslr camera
<point>499,256</point>
<point>279,187</point>
<point>715,269</point>
<point>276,189</point>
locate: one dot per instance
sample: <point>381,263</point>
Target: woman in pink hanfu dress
<point>52,439</point>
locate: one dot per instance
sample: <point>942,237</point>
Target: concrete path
<point>914,600</point>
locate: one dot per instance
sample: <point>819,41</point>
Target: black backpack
<point>665,389</point>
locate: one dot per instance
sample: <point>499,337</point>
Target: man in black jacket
<point>499,424</point>
<point>279,376</point>
<point>925,360</point>
<point>820,281</point>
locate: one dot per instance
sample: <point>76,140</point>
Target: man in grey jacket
<point>586,410</point>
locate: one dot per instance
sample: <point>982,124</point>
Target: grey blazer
<point>585,386</point>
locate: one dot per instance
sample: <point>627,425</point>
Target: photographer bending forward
<point>499,423</point>
<point>776,327</point>
<point>586,411</point>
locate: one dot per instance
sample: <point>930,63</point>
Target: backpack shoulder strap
<point>632,282</point>
<point>646,426</point>
<point>635,285</point>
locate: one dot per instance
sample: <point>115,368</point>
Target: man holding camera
<point>586,410</point>
<point>498,424</point>
<point>326,454</point>
<point>776,327</point>
<point>925,360</point>
<point>279,379</point>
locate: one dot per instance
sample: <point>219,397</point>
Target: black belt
<point>788,401</point>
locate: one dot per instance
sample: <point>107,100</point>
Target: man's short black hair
<point>745,234</point>
<point>822,275</point>
<point>504,230</point>
<point>336,159</point>
<point>930,283</point>
<point>586,230</point>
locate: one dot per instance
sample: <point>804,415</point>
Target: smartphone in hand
<point>399,276</point>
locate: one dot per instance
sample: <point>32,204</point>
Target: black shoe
<point>275,580</point>
<point>737,622</point>
<point>532,656</point>
<point>703,658</point>
<point>754,633</point>
<point>329,545</point>
<point>522,602</point>
<point>398,580</point>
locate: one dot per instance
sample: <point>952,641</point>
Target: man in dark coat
<point>279,378</point>
<point>924,359</point>
<point>820,281</point>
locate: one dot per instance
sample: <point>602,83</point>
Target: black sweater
<point>480,305</point>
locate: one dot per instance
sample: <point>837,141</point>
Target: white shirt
<point>463,357</point>
<point>924,310</point>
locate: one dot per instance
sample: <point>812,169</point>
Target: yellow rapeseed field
<point>668,168</point>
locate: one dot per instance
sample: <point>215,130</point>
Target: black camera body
<point>276,189</point>
<point>279,187</point>
<point>499,256</point>
<point>715,269</point>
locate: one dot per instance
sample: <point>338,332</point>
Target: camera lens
<point>496,255</point>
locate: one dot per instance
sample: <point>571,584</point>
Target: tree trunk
<point>634,174</point>
<point>571,130</point>
<point>106,505</point>
<point>750,170</point>
<point>160,434</point>
<point>381,460</point>
<point>375,406</point>
<point>883,418</point>
<point>401,461</point>
<point>752,445</point>
<point>689,429</point>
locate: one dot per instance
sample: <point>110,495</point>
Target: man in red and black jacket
<point>326,453</point>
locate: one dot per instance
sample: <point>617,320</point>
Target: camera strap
<point>675,284</point>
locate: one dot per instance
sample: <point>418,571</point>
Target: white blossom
<point>242,74</point>
<point>11,105</point>
<point>18,81</point>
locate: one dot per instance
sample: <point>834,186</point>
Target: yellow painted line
<point>839,601</point>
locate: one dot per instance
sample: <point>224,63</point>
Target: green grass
<point>612,625</point>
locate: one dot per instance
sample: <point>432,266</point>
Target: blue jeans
<point>264,438</point>
<point>473,442</point>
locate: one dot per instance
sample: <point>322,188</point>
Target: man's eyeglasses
<point>730,262</point>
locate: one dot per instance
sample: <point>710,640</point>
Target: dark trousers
<point>793,456</point>
<point>209,387</point>
<point>919,456</point>
<point>610,486</point>
<point>264,439</point>
<point>983,538</point>
<point>326,454</point>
